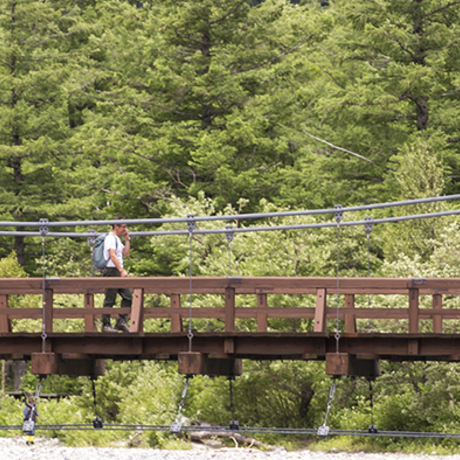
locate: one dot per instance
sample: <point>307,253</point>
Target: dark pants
<point>111,295</point>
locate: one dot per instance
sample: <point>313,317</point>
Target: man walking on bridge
<point>114,251</point>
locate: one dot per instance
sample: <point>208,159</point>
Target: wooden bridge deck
<point>246,309</point>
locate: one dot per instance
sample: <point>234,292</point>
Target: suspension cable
<point>92,241</point>
<point>176,426</point>
<point>372,428</point>
<point>324,430</point>
<point>247,216</point>
<point>368,228</point>
<point>273,228</point>
<point>39,386</point>
<point>246,429</point>
<point>338,218</point>
<point>43,232</point>
<point>190,227</point>
<point>229,235</point>
<point>233,425</point>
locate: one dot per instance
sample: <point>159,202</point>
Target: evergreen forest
<point>165,108</point>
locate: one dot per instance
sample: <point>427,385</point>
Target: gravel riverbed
<point>46,449</point>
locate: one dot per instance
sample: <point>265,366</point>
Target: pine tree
<point>390,79</point>
<point>199,99</point>
<point>41,49</point>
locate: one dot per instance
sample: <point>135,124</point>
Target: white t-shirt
<point>112,241</point>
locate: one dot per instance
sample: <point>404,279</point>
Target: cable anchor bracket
<point>338,213</point>
<point>191,223</point>
<point>43,226</point>
<point>229,233</point>
<point>92,238</point>
<point>323,430</point>
<point>176,426</point>
<point>368,226</point>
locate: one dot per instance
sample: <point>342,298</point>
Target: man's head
<point>119,229</point>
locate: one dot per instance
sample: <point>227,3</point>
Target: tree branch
<point>339,148</point>
<point>279,56</point>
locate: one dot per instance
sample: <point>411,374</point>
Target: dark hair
<point>117,218</point>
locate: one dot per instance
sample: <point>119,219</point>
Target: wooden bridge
<point>246,322</point>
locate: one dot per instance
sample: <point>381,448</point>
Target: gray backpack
<point>99,260</point>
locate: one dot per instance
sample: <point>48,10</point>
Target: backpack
<point>99,260</point>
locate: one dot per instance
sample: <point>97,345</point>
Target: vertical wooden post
<point>320,311</point>
<point>176,318</point>
<point>262,321</point>
<point>437,320</point>
<point>89,317</point>
<point>5,323</point>
<point>350,318</point>
<point>48,306</point>
<point>137,312</point>
<point>229,309</point>
<point>413,310</point>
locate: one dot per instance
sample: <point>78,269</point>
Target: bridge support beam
<point>196,363</point>
<point>338,364</point>
<point>75,365</point>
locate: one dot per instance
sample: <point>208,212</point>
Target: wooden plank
<point>262,318</point>
<point>350,319</point>
<point>230,309</point>
<point>413,310</point>
<point>320,311</point>
<point>176,316</point>
<point>48,306</point>
<point>5,323</point>
<point>217,285</point>
<point>137,312</point>
<point>89,318</point>
<point>437,319</point>
<point>240,312</point>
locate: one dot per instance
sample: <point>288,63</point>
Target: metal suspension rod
<point>43,232</point>
<point>338,218</point>
<point>191,226</point>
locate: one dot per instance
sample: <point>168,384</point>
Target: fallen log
<point>237,438</point>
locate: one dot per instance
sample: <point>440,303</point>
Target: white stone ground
<point>45,449</point>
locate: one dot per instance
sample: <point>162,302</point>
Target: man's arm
<point>127,247</point>
<point>114,258</point>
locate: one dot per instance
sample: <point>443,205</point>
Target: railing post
<point>262,321</point>
<point>437,319</point>
<point>5,323</point>
<point>48,306</point>
<point>229,309</point>
<point>320,311</point>
<point>137,312</point>
<point>89,317</point>
<point>350,319</point>
<point>176,318</point>
<point>413,310</point>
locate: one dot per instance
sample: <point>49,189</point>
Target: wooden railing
<point>177,289</point>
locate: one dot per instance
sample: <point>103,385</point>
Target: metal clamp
<point>339,213</point>
<point>191,223</point>
<point>368,225</point>
<point>229,234</point>
<point>92,238</point>
<point>43,227</point>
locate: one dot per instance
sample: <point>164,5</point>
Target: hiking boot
<point>108,328</point>
<point>121,325</point>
